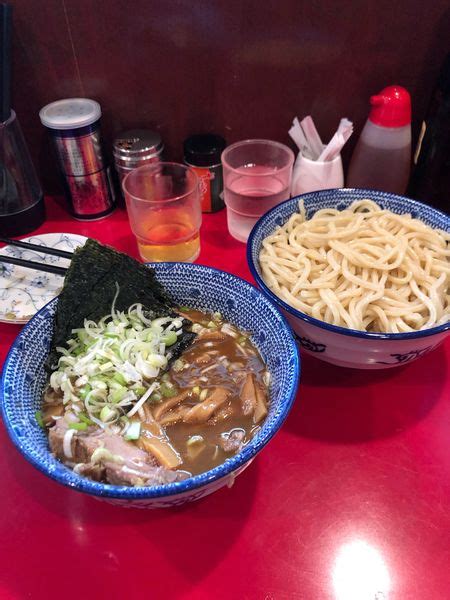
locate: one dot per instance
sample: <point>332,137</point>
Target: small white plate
<point>24,291</point>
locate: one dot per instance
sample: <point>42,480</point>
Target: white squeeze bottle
<point>382,157</point>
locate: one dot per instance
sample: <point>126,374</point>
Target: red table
<point>350,501</point>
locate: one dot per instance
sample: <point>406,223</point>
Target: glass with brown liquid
<point>163,203</point>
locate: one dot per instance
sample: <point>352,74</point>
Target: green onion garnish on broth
<point>133,432</point>
<point>108,369</point>
<point>78,426</point>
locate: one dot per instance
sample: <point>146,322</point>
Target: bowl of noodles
<point>363,276</point>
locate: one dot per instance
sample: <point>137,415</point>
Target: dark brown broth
<point>219,376</point>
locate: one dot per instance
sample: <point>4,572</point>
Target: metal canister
<point>135,148</point>
<point>74,126</point>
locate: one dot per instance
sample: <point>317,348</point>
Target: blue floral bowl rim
<point>311,320</point>
<point>255,445</point>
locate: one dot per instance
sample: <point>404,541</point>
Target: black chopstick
<point>30,264</point>
<point>36,248</point>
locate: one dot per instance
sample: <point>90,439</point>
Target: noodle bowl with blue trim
<point>362,275</point>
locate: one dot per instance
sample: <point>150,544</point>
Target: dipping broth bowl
<point>193,285</point>
<point>339,345</point>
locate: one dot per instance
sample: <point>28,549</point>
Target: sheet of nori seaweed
<point>90,285</point>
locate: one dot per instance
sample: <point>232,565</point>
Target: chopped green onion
<point>97,384</point>
<point>184,308</point>
<point>106,414</point>
<point>133,432</point>
<point>155,398</point>
<point>157,360</point>
<point>112,364</point>
<point>117,394</point>
<point>39,419</point>
<point>85,391</point>
<point>178,365</point>
<point>242,339</point>
<point>168,390</point>
<point>83,336</point>
<point>212,325</point>
<point>106,367</point>
<point>114,385</point>
<point>169,338</point>
<point>85,419</point>
<point>119,378</point>
<point>78,426</point>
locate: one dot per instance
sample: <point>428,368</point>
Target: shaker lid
<point>203,150</point>
<point>391,107</point>
<point>70,113</point>
<point>137,143</point>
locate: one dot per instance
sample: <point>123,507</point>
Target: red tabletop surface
<point>350,501</point>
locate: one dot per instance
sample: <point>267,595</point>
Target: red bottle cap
<point>391,107</point>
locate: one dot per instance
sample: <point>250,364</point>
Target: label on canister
<point>79,155</point>
<point>205,176</point>
<point>89,194</point>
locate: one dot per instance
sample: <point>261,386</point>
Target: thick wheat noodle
<point>364,268</point>
<point>397,280</point>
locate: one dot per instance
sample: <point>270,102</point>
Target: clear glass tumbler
<point>163,204</point>
<point>257,176</point>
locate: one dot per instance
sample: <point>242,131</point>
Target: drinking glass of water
<point>163,204</point>
<point>257,176</point>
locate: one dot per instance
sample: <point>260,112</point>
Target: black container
<point>430,179</point>
<point>202,153</point>
<point>22,206</point>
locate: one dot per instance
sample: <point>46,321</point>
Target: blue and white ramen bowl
<point>193,285</point>
<point>339,345</point>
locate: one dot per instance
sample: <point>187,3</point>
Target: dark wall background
<point>239,68</point>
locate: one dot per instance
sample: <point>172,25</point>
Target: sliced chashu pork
<point>122,463</point>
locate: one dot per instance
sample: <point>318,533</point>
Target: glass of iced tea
<point>163,204</point>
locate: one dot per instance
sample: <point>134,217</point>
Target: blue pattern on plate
<point>340,198</point>
<point>24,378</point>
<point>24,291</point>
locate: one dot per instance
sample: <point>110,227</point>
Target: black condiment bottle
<point>430,179</point>
<point>202,153</point>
